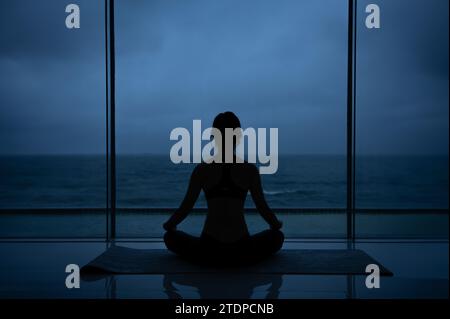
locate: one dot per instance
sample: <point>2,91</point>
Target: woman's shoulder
<point>206,166</point>
<point>250,167</point>
<point>202,169</point>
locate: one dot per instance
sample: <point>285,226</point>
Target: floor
<point>37,270</point>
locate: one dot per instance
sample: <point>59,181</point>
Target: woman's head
<point>228,120</point>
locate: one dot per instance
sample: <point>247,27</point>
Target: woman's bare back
<point>225,186</point>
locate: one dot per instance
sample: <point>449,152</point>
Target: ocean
<point>302,181</point>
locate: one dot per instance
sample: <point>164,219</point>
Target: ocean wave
<point>284,191</point>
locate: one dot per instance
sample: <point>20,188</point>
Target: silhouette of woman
<point>225,238</point>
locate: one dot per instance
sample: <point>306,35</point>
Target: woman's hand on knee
<point>168,226</point>
<point>277,225</point>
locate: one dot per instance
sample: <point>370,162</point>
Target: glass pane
<point>52,120</point>
<point>276,64</point>
<point>402,121</point>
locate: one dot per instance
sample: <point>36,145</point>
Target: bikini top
<point>226,187</point>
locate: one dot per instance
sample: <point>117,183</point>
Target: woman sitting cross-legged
<point>225,238</point>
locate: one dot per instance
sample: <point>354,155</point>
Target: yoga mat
<point>123,260</point>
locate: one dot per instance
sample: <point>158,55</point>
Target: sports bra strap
<point>226,187</point>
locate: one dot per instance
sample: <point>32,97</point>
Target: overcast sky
<point>274,63</point>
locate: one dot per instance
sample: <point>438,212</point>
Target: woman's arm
<point>261,205</point>
<point>188,202</point>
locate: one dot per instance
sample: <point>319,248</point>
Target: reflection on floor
<point>37,270</point>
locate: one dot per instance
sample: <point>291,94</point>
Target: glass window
<point>276,64</point>
<point>52,120</point>
<point>402,121</point>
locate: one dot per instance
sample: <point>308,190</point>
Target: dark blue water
<point>153,181</point>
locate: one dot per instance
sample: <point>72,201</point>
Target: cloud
<point>275,63</point>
